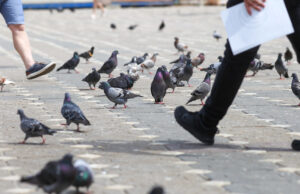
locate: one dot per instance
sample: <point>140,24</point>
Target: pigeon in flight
<point>202,90</point>
<point>4,82</point>
<point>280,67</point>
<point>216,35</point>
<point>113,26</point>
<point>92,78</point>
<point>288,56</point>
<point>162,25</point>
<point>33,128</point>
<point>117,95</point>
<point>109,66</point>
<point>132,27</point>
<point>71,64</point>
<point>84,175</point>
<point>88,54</point>
<point>158,87</point>
<point>55,177</point>
<point>179,45</point>
<point>150,63</point>
<point>72,113</point>
<point>296,86</point>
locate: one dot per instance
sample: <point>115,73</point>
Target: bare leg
<point>22,44</point>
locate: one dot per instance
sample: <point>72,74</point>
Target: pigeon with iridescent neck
<point>109,66</point>
<point>71,64</point>
<point>201,91</point>
<point>84,175</point>
<point>158,87</point>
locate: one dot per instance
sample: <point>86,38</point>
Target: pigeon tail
<point>30,179</point>
<point>50,132</point>
<point>60,68</point>
<point>286,75</point>
<point>191,100</point>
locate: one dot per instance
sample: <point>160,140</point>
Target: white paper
<point>245,32</point>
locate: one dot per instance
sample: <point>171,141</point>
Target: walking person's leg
<point>12,11</point>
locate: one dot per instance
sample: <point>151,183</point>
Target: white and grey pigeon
<point>84,175</point>
<point>117,95</point>
<point>281,67</point>
<point>72,113</point>
<point>4,82</point>
<point>33,128</point>
<point>257,65</point>
<point>150,63</point>
<point>296,86</point>
<point>179,45</point>
<point>216,35</point>
<point>213,68</point>
<point>202,90</point>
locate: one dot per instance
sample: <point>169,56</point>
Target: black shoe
<point>296,145</point>
<point>191,122</point>
<point>39,69</point>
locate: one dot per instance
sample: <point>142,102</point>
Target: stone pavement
<point>132,149</point>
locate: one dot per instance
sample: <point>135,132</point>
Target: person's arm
<point>255,4</point>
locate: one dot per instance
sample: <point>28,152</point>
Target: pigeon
<point>179,46</point>
<point>123,81</point>
<point>288,56</point>
<point>158,87</point>
<point>201,91</point>
<point>134,68</point>
<point>117,95</point>
<point>280,67</point>
<point>72,113</point>
<point>84,175</point>
<point>296,86</point>
<point>216,35</point>
<point>33,128</point>
<point>92,78</point>
<point>167,78</point>
<point>113,26</point>
<point>182,58</point>
<point>55,177</point>
<point>257,65</point>
<point>132,61</point>
<point>162,25</point>
<point>71,64</point>
<point>140,60</point>
<point>4,82</point>
<point>183,73</point>
<point>156,190</point>
<point>132,27</point>
<point>109,66</point>
<point>213,68</point>
<point>88,54</point>
<point>149,64</point>
<point>198,60</point>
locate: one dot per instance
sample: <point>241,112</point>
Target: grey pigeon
<point>71,64</point>
<point>296,86</point>
<point>123,81</point>
<point>179,45</point>
<point>257,65</point>
<point>183,73</point>
<point>162,25</point>
<point>156,190</point>
<point>72,113</point>
<point>84,175</point>
<point>213,68</point>
<point>117,95</point>
<point>158,87</point>
<point>197,61</point>
<point>288,55</point>
<point>92,78</point>
<point>201,91</point>
<point>33,128</point>
<point>88,54</point>
<point>132,61</point>
<point>183,58</point>
<point>216,35</point>
<point>167,78</point>
<point>55,177</point>
<point>280,67</point>
<point>150,63</point>
<point>109,66</point>
<point>141,59</point>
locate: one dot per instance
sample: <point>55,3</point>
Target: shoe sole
<point>47,69</point>
<point>196,135</point>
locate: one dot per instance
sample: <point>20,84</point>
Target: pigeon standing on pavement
<point>167,78</point>
<point>132,27</point>
<point>123,81</point>
<point>288,56</point>
<point>117,95</point>
<point>72,113</point>
<point>183,58</point>
<point>109,66</point>
<point>84,175</point>
<point>202,90</point>
<point>296,86</point>
<point>150,63</point>
<point>257,65</point>
<point>280,67</point>
<point>197,61</point>
<point>179,45</point>
<point>113,26</point>
<point>158,87</point>
<point>140,60</point>
<point>216,35</point>
<point>4,82</point>
<point>162,25</point>
<point>184,73</point>
<point>33,128</point>
<point>71,64</point>
<point>88,54</point>
<point>157,190</point>
<point>55,177</point>
<point>92,78</point>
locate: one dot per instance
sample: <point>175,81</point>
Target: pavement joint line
<point>262,97</point>
<point>275,100</point>
<point>9,168</point>
<point>249,94</point>
<point>10,178</point>
<point>271,160</point>
<point>217,183</point>
<point>82,146</point>
<point>148,136</point>
<point>107,176</point>
<point>89,156</point>
<point>185,163</point>
<point>235,142</point>
<point>99,166</point>
<point>119,187</point>
<point>280,126</point>
<point>289,170</point>
<point>198,171</point>
<point>226,135</point>
<point>255,151</point>
<point>19,190</point>
<point>294,133</point>
<point>140,129</point>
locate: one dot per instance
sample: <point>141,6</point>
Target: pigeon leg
<point>125,106</point>
<point>110,76</point>
<point>23,142</point>
<point>202,103</point>
<point>173,91</point>
<point>76,71</point>
<point>78,129</point>
<point>44,140</point>
<point>114,106</point>
<point>299,104</point>
<point>189,85</point>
